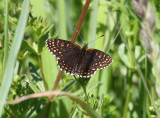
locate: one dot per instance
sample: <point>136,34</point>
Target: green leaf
<point>36,78</point>
<point>42,42</point>
<point>38,8</point>
<point>123,56</point>
<point>28,47</point>
<point>32,84</point>
<point>137,52</point>
<point>50,68</point>
<point>8,72</point>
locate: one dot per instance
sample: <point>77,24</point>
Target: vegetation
<point>129,87</point>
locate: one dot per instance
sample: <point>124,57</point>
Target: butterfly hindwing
<point>98,59</point>
<point>68,64</point>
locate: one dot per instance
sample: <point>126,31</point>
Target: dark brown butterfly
<point>74,60</point>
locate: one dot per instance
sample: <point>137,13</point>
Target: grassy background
<point>129,87</point>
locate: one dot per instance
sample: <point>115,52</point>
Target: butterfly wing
<point>66,52</point>
<point>98,59</point>
<point>62,49</point>
<point>86,72</point>
<point>93,60</point>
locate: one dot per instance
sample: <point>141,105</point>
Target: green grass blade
<point>93,25</point>
<point>8,72</point>
<point>62,25</point>
<point>101,21</point>
<point>5,35</point>
<point>50,67</point>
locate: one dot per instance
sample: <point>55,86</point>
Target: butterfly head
<point>85,46</point>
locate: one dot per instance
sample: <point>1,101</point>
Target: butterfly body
<point>74,60</point>
<point>78,63</point>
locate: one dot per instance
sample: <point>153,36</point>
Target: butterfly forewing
<point>62,49</point>
<point>67,53</point>
<point>99,59</point>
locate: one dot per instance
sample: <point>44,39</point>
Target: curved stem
<point>85,92</point>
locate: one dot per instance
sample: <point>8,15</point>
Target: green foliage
<point>9,69</point>
<point>129,87</point>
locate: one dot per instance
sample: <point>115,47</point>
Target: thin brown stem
<point>85,8</point>
<point>43,78</point>
<point>83,13</point>
<point>56,83</point>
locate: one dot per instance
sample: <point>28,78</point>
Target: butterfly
<point>74,60</point>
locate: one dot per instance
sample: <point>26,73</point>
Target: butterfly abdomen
<point>78,65</point>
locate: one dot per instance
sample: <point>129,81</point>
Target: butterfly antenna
<point>79,35</point>
<point>96,39</point>
<point>117,28</point>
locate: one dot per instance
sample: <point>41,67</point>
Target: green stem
<point>83,84</point>
<point>85,92</point>
<point>144,98</point>
<point>126,102</point>
<point>43,78</point>
<point>5,35</point>
<point>19,67</point>
<point>128,95</point>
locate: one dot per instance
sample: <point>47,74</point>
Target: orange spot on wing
<point>62,44</point>
<point>100,56</point>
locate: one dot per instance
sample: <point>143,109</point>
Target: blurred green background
<point>128,88</point>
